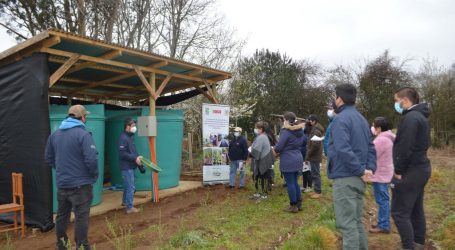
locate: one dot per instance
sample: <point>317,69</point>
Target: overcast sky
<point>344,31</point>
<point>341,31</point>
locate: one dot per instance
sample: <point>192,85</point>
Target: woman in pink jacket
<point>384,171</point>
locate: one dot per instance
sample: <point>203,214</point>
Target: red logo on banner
<point>217,111</point>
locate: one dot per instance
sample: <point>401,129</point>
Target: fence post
<point>190,149</point>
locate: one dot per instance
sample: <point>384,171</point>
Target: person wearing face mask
<point>314,155</point>
<point>412,168</point>
<point>383,144</point>
<point>238,154</point>
<point>129,160</point>
<point>291,159</point>
<point>261,160</point>
<point>72,151</point>
<point>351,160</point>
<point>330,114</point>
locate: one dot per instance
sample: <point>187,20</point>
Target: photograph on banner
<point>215,131</point>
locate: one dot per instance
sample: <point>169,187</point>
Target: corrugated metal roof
<point>106,69</point>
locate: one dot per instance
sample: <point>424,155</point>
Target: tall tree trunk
<point>81,17</point>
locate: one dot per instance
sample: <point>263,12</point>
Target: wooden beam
<point>145,82</point>
<point>210,91</point>
<point>54,40</point>
<point>61,71</point>
<point>109,55</point>
<point>123,65</point>
<point>72,37</point>
<point>61,60</point>
<point>194,72</point>
<point>159,65</point>
<point>24,45</point>
<point>162,86</point>
<point>84,82</point>
<point>206,94</point>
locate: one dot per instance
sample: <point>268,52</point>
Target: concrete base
<point>112,200</point>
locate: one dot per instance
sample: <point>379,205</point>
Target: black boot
<point>299,205</point>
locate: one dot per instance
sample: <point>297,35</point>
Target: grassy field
<point>223,218</point>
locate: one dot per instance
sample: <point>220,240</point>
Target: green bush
<point>187,239</point>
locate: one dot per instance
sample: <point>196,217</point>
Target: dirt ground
<point>171,211</point>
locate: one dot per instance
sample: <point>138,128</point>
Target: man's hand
<point>138,160</point>
<point>367,175</point>
<point>397,176</point>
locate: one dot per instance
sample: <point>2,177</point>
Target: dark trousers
<point>307,179</point>
<point>77,199</point>
<point>293,187</point>
<point>316,175</point>
<point>407,206</point>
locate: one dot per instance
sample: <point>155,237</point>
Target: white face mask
<point>133,129</point>
<point>236,134</point>
<point>256,131</point>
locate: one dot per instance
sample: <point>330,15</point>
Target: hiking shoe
<point>264,197</point>
<point>307,190</point>
<point>291,209</point>
<point>132,210</point>
<point>255,196</point>
<point>316,196</point>
<point>377,230</point>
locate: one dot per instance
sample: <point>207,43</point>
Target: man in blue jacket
<point>129,160</point>
<point>238,154</point>
<point>352,159</point>
<point>72,152</point>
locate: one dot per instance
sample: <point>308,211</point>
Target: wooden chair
<point>15,206</point>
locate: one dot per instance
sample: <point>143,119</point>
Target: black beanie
<point>347,93</point>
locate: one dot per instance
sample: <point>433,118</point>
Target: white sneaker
<point>132,210</point>
<point>307,190</point>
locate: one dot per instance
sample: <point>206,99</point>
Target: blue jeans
<point>294,192</point>
<point>381,194</point>
<point>233,174</point>
<point>128,187</point>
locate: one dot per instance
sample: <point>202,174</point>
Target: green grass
<point>239,223</point>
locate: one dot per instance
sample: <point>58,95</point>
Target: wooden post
<point>152,139</point>
<point>190,149</point>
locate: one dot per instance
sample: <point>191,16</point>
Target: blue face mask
<point>398,108</point>
<point>330,113</point>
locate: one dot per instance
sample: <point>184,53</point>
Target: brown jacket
<point>314,148</point>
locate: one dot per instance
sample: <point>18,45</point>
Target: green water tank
<point>168,145</point>
<point>96,125</point>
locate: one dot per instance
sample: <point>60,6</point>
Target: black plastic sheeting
<point>161,101</point>
<point>24,128</point>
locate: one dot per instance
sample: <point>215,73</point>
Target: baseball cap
<point>313,117</point>
<point>78,111</point>
<point>237,129</point>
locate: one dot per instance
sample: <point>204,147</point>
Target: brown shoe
<point>132,210</point>
<point>379,230</point>
<point>291,209</point>
<point>316,196</point>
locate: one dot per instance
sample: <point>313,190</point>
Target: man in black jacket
<point>412,168</point>
<point>238,153</point>
<point>129,160</point>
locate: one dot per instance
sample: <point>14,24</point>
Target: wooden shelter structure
<point>82,67</point>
